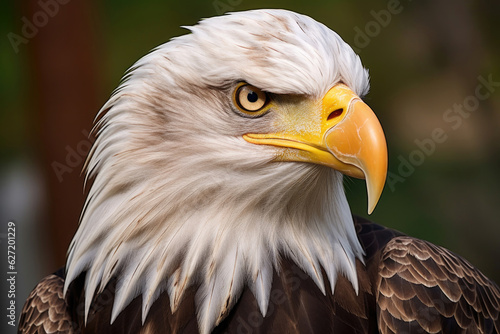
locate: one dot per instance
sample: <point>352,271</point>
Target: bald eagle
<point>217,203</point>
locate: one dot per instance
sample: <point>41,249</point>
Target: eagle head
<point>221,153</point>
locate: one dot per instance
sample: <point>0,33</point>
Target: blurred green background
<point>427,60</point>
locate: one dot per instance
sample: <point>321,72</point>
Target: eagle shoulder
<point>46,310</point>
<point>426,288</point>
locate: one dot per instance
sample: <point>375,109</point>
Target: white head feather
<point>181,199</point>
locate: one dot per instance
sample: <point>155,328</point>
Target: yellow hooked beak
<point>343,133</point>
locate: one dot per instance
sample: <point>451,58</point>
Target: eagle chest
<point>296,305</point>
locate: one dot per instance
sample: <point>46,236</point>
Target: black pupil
<point>252,97</point>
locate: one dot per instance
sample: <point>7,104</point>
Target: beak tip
<point>374,194</point>
<point>371,206</point>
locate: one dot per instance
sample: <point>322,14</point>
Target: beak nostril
<point>335,113</point>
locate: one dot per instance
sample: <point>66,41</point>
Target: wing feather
<point>424,287</point>
<point>45,310</point>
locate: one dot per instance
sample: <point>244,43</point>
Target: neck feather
<point>219,233</point>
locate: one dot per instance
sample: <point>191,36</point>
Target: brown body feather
<point>407,286</point>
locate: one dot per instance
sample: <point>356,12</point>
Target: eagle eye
<point>250,100</point>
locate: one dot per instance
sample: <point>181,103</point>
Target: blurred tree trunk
<point>64,73</point>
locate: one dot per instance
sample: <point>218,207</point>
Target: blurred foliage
<point>13,81</point>
<point>425,60</point>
